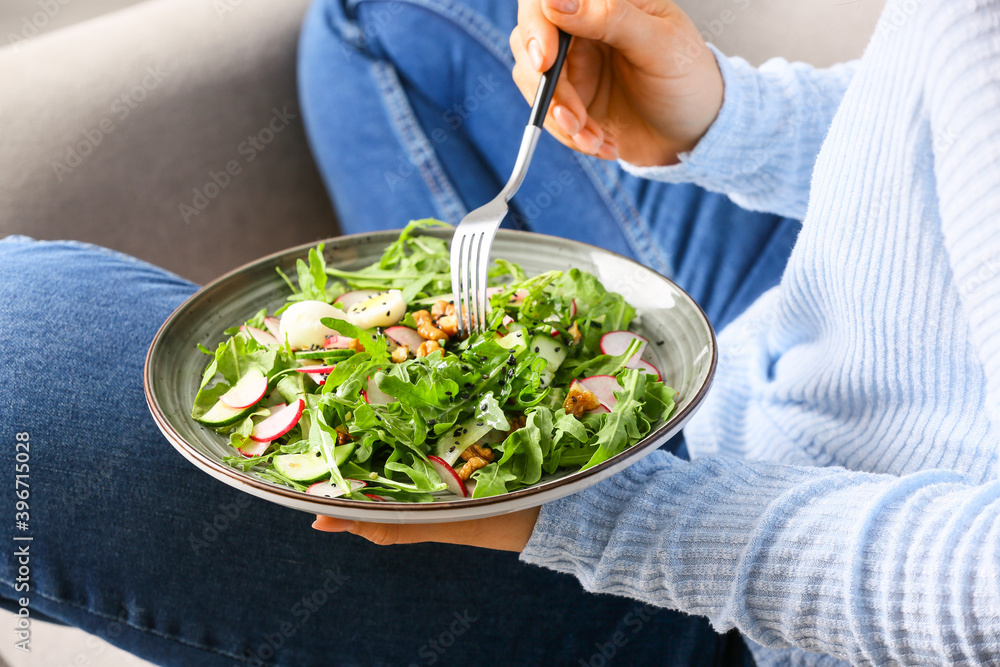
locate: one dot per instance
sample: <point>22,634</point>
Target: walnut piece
<point>471,466</point>
<point>480,451</point>
<point>400,354</point>
<point>579,401</point>
<point>426,328</point>
<point>343,437</point>
<point>449,325</point>
<point>574,331</point>
<point>427,347</point>
<point>442,308</point>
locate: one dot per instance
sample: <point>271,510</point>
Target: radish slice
<point>614,343</point>
<point>248,390</point>
<point>405,336</point>
<point>271,324</point>
<point>348,299</point>
<point>279,423</point>
<point>253,448</point>
<point>259,335</point>
<point>572,308</point>
<point>600,408</point>
<point>376,396</point>
<point>315,369</point>
<point>604,388</point>
<point>330,490</point>
<point>644,365</point>
<point>377,498</point>
<point>449,476</point>
<point>337,342</point>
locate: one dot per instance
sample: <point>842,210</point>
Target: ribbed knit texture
<point>844,499</point>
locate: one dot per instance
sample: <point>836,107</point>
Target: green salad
<point>361,386</point>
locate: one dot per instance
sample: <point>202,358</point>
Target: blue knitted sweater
<point>843,501</point>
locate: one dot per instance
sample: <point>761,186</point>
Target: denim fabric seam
<point>128,623</point>
<point>611,192</point>
<point>412,136</point>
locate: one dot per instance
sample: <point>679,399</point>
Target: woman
<point>831,368</point>
<point>862,392</point>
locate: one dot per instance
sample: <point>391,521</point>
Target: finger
<point>508,532</point>
<point>540,37</point>
<point>567,118</point>
<point>638,35</point>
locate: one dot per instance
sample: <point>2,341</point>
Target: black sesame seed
<point>448,393</point>
<point>467,384</point>
<point>465,395</point>
<point>432,422</point>
<point>388,313</point>
<point>558,348</point>
<point>659,342</point>
<point>536,349</point>
<point>479,423</point>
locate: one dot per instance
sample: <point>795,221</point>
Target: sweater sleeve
<point>872,568</point>
<point>963,100</point>
<point>762,146</point>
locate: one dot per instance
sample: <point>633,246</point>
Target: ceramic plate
<point>686,358</point>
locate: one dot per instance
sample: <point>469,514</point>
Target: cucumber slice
<point>552,350</point>
<point>303,468</point>
<point>457,440</point>
<point>516,338</point>
<point>222,415</point>
<point>324,354</point>
<point>311,466</point>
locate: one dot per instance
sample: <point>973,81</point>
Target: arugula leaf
<point>622,425</point>
<point>325,438</point>
<point>604,364</point>
<point>491,480</point>
<point>423,475</point>
<point>207,398</point>
<point>374,344</point>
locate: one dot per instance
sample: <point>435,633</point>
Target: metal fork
<point>470,246</point>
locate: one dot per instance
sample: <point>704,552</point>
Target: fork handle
<point>547,85</point>
<point>533,130</point>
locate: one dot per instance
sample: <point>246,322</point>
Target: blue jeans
<point>132,544</point>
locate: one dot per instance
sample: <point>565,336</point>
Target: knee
<point>365,26</point>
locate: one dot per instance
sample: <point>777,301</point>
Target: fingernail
<point>564,6</point>
<point>535,54</point>
<point>566,119</point>
<point>328,524</point>
<point>588,141</point>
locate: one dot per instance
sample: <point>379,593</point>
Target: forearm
<point>762,146</point>
<point>867,567</point>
